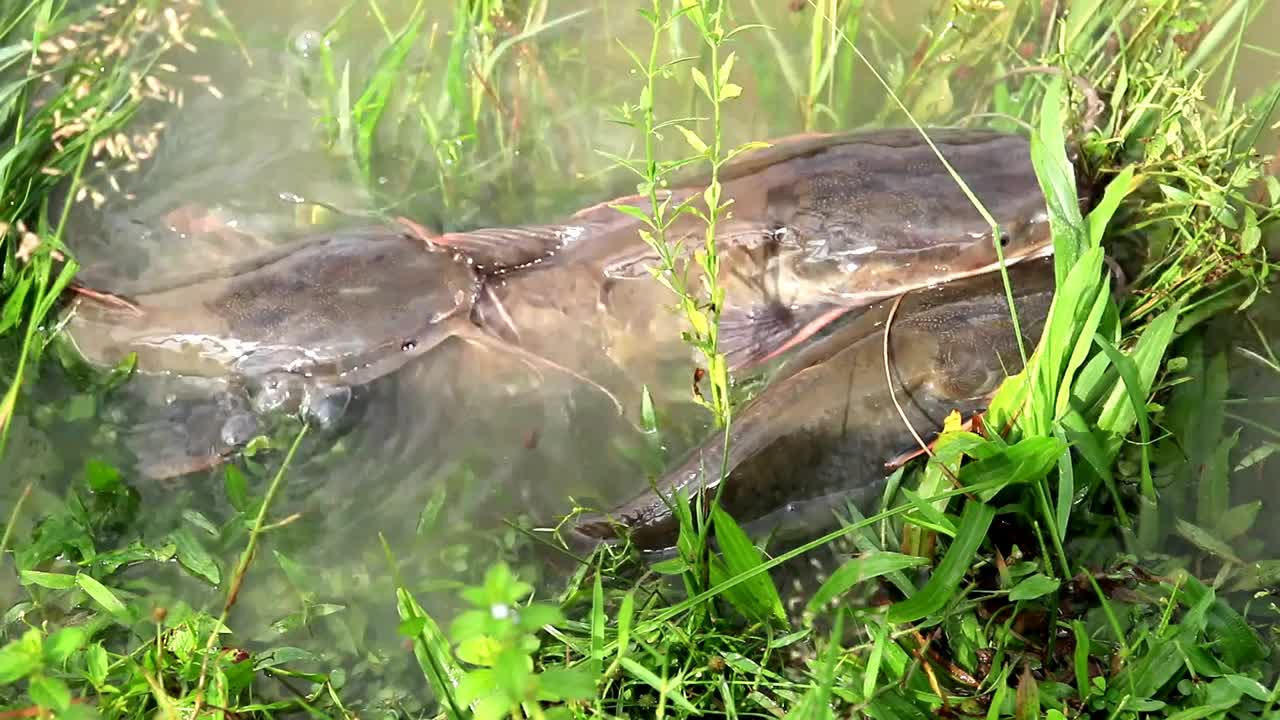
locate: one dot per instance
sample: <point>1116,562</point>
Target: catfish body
<point>819,225</point>
<point>292,329</point>
<point>823,434</point>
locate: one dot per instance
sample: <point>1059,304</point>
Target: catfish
<point>819,225</point>
<point>824,434</point>
<point>296,327</point>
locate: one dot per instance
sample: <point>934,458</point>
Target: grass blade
<point>975,520</point>
<point>860,569</point>
<point>432,651</point>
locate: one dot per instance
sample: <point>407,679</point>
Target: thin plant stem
<point>237,579</point>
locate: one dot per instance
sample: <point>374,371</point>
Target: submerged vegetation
<point>1091,549</point>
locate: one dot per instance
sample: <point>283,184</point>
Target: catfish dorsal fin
<point>510,248</point>
<point>753,335</point>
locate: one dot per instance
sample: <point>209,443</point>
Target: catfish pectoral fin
<point>205,436</point>
<point>505,249</point>
<point>753,335</point>
<point>588,531</point>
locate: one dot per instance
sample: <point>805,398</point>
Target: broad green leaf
<point>1235,639</point>
<point>756,597</point>
<point>1026,461</point>
<point>20,658</point>
<point>96,664</point>
<point>50,693</point>
<point>60,645</point>
<point>1238,520</point>
<point>1205,541</point>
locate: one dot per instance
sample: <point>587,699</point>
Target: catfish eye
<point>1005,240</point>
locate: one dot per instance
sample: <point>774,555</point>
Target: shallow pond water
<point>434,459</point>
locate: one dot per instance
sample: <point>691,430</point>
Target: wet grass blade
<point>597,625</point>
<point>1057,180</point>
<point>455,73</point>
<point>860,569</point>
<point>1117,190</point>
<point>1138,372</point>
<point>816,704</point>
<point>665,687</point>
<point>975,520</point>
<point>369,108</point>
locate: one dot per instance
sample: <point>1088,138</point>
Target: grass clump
<point>1094,559</point>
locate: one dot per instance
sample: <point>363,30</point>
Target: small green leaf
<point>102,595</point>
<point>96,663</point>
<point>193,556</point>
<point>701,81</point>
<point>20,658</point>
<point>53,581</point>
<point>1033,587</point>
<point>60,645</point>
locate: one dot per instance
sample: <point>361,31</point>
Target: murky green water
<point>435,457</point>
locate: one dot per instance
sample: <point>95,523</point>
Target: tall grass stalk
<point>242,568</point>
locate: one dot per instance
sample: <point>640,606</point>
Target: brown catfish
<point>825,433</point>
<point>296,327</point>
<point>819,225</point>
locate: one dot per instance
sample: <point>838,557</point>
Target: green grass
<point>1097,560</point>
